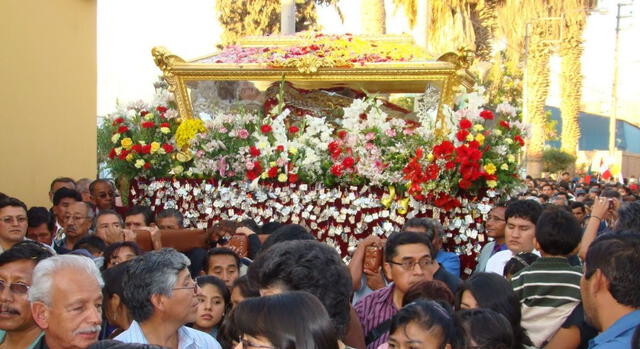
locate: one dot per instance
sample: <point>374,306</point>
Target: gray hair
<point>43,273</point>
<point>171,212</point>
<point>104,213</point>
<point>155,272</point>
<point>430,225</point>
<point>82,185</point>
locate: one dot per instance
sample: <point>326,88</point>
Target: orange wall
<point>47,94</point>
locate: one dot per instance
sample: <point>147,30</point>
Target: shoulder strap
<point>378,331</point>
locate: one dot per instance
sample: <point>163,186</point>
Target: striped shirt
<point>188,338</point>
<point>374,309</point>
<point>548,290</point>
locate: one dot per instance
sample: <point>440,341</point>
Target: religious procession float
<point>348,136</point>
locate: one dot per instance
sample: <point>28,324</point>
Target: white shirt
<point>188,338</point>
<point>496,263</point>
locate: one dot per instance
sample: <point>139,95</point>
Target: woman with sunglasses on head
<point>290,320</point>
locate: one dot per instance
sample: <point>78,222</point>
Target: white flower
<point>115,138</point>
<point>506,108</point>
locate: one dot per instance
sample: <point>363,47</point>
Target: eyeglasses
<point>194,287</point>
<point>105,195</point>
<point>20,289</point>
<point>74,218</point>
<point>408,265</point>
<point>246,345</point>
<point>496,219</point>
<point>11,219</point>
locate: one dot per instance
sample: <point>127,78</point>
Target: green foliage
<point>555,160</point>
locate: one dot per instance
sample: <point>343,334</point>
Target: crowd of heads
<point>75,276</point>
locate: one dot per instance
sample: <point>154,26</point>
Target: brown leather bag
<point>241,244</point>
<point>372,258</point>
<point>182,240</point>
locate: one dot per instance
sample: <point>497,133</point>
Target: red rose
<point>164,124</point>
<point>462,135</point>
<point>293,177</point>
<point>147,165</point>
<point>334,149</point>
<point>118,121</point>
<point>254,151</point>
<point>450,165</point>
<point>161,109</point>
<point>336,170</point>
<point>112,154</point>
<point>257,170</point>
<point>294,129</point>
<point>280,148</point>
<point>342,134</point>
<point>519,139</point>
<point>505,124</point>
<point>123,129</point>
<point>123,154</point>
<point>148,124</point>
<point>265,129</point>
<point>137,148</point>
<point>273,172</point>
<point>464,184</point>
<point>486,114</point>
<point>465,124</point>
<point>143,112</point>
<point>168,148</point>
<point>146,149</point>
<point>348,162</point>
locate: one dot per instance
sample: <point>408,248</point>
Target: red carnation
<point>143,112</point>
<point>505,124</point>
<point>273,172</point>
<point>464,184</point>
<point>443,150</point>
<point>280,148</point>
<point>462,135</point>
<point>255,172</point>
<point>123,154</point>
<point>266,129</point>
<point>254,151</point>
<point>148,124</point>
<point>294,129</point>
<point>450,165</point>
<point>293,177</point>
<point>161,109</point>
<point>137,148</point>
<point>465,124</point>
<point>147,165</point>
<point>486,114</point>
<point>334,149</point>
<point>348,162</point>
<point>342,134</point>
<point>519,139</point>
<point>112,154</point>
<point>336,170</point>
<point>164,124</point>
<point>123,129</point>
<point>146,149</point>
<point>168,148</point>
<point>118,121</point>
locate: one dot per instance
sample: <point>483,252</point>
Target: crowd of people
<point>557,272</point>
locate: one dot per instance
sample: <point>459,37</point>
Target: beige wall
<point>47,94</point>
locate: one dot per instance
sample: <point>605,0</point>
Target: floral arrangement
<point>320,50</point>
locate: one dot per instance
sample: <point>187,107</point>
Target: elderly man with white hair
<point>161,296</point>
<point>66,302</point>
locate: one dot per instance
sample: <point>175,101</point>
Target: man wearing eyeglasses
<point>77,223</point>
<point>13,222</point>
<point>161,295</point>
<point>408,260</point>
<point>17,327</point>
<point>495,226</point>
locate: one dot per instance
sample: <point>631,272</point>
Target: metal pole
<point>614,90</point>
<point>288,17</point>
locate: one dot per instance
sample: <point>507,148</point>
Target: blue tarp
<point>594,132</point>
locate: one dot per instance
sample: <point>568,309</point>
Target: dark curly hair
<point>307,265</point>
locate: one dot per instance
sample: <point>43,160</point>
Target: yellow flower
<point>264,175</point>
<point>139,163</point>
<point>430,157</point>
<point>155,146</point>
<point>497,132</point>
<point>293,150</point>
<point>184,156</point>
<point>490,168</point>
<point>165,130</point>
<point>115,138</point>
<point>187,130</point>
<point>178,169</point>
<point>508,141</point>
<point>504,167</point>
<point>511,158</point>
<point>262,145</point>
<point>126,143</point>
<point>272,164</point>
<point>149,116</point>
<point>470,137</point>
<point>282,177</point>
<point>129,157</point>
<point>478,127</point>
<point>480,138</point>
<point>118,150</point>
<point>492,184</point>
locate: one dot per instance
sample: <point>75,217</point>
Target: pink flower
<point>281,162</point>
<point>408,131</point>
<point>243,134</point>
<point>390,132</point>
<point>370,136</point>
<point>223,130</point>
<point>249,165</point>
<point>368,146</point>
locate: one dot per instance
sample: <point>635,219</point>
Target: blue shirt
<point>449,261</point>
<point>619,334</point>
<point>188,338</point>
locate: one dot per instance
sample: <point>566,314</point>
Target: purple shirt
<point>375,309</point>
